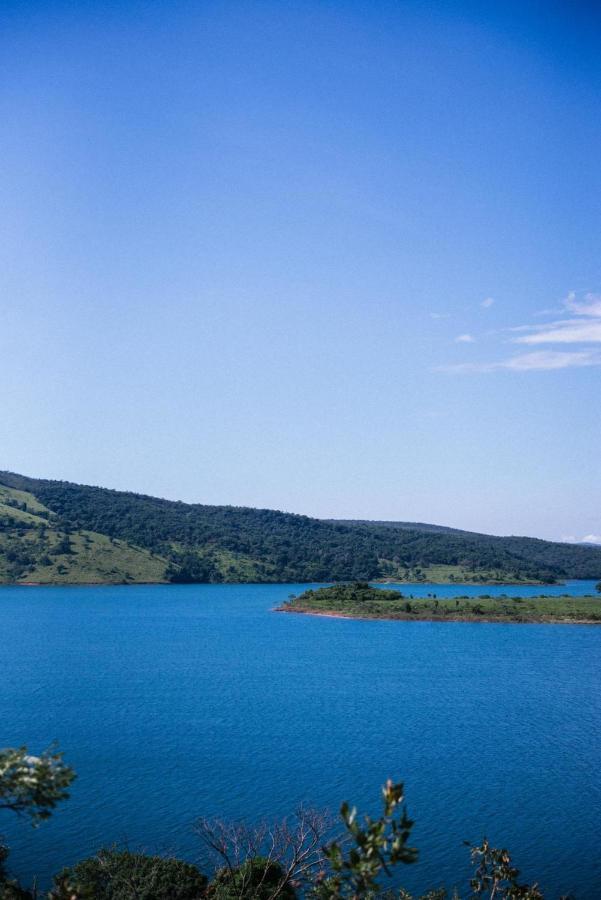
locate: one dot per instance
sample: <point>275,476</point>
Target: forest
<point>60,532</point>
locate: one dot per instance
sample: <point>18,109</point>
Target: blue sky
<point>331,257</point>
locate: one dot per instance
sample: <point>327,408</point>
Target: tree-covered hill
<point>58,532</point>
<point>406,526</point>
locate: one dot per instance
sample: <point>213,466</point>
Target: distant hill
<point>59,532</point>
<point>406,526</point>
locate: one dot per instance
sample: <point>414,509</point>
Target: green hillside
<point>58,532</point>
<point>35,547</point>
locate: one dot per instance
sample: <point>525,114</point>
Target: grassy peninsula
<point>360,600</point>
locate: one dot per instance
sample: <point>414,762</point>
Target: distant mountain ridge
<point>60,532</point>
<point>447,529</point>
<point>405,526</point>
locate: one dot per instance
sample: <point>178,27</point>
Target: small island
<point>360,600</point>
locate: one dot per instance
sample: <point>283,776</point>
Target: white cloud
<point>486,304</point>
<point>591,306</point>
<point>552,359</point>
<point>583,326</point>
<point>539,360</point>
<point>567,331</point>
<point>587,539</point>
<point>584,330</point>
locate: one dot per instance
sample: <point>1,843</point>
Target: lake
<point>176,701</point>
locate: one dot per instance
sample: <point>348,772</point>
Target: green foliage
<point>121,875</point>
<point>495,876</point>
<point>193,568</point>
<point>361,600</point>
<point>350,866</point>
<point>375,846</point>
<point>63,547</point>
<point>33,785</point>
<point>156,539</point>
<point>34,546</point>
<point>29,786</point>
<point>358,593</point>
<point>256,879</point>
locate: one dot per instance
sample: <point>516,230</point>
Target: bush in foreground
<point>121,875</point>
<point>256,879</point>
<point>281,862</point>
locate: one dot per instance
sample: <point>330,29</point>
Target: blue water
<point>571,588</point>
<point>171,702</point>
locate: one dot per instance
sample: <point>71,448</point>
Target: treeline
<point>223,543</point>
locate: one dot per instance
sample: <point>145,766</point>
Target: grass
<point>30,541</point>
<point>30,550</point>
<point>363,601</point>
<point>95,559</point>
<point>11,496</point>
<point>445,574</point>
<point>236,567</point>
<point>20,506</point>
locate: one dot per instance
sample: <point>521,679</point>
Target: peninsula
<point>362,601</point>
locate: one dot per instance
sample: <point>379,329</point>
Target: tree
<point>375,847</point>
<point>64,547</point>
<point>33,785</point>
<point>120,875</point>
<point>29,786</point>
<point>192,568</point>
<point>257,878</point>
<point>268,860</point>
<point>495,876</point>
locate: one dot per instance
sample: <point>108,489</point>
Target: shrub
<point>121,875</point>
<point>256,879</point>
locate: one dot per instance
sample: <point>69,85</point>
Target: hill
<point>405,526</point>
<point>59,532</point>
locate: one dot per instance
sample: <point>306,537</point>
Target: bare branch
<point>293,844</point>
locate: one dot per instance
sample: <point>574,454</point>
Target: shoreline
<point>473,583</point>
<point>380,582</point>
<point>407,617</point>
